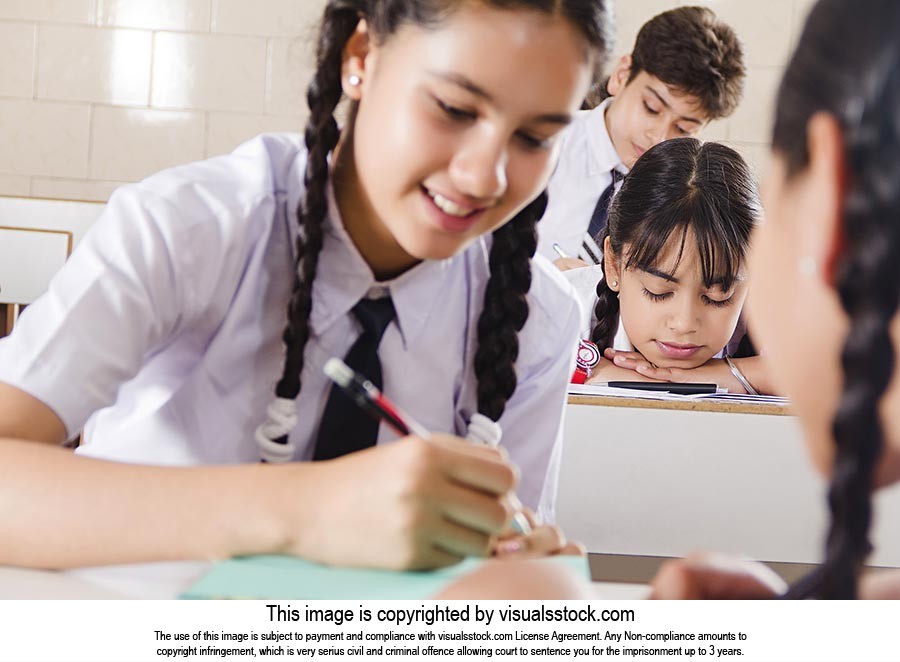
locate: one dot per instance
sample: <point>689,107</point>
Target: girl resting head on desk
<point>668,294</point>
<point>826,279</point>
<point>165,335</point>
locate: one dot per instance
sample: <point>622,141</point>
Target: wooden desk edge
<point>686,405</point>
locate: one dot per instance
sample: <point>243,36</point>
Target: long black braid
<point>863,92</point>
<point>606,311</point>
<point>506,309</point>
<point>321,136</point>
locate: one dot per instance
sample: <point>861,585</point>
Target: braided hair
<point>505,307</point>
<point>676,186</point>
<point>863,93</point>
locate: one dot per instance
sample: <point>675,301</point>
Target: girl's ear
<point>618,79</point>
<point>610,266</point>
<point>357,61</point>
<point>828,186</point>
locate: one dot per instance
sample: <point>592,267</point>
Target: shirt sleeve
<point>118,298</point>
<point>533,421</point>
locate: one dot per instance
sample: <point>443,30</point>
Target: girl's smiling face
<point>670,315</point>
<point>456,128</point>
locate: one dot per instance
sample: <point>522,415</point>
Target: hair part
<point>678,188</point>
<point>695,52</point>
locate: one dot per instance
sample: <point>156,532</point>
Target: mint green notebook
<point>288,578</point>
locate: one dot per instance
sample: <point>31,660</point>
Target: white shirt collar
<point>343,278</point>
<point>603,154</point>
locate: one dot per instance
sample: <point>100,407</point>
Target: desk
<point>654,479</point>
<point>160,581</point>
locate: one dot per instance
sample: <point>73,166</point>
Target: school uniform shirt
<point>585,281</point>
<point>161,336</point>
<point>586,160</point>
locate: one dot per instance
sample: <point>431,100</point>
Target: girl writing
<point>401,242</point>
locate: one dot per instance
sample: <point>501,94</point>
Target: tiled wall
<point>94,93</point>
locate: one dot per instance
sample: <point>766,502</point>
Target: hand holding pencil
<point>485,435</point>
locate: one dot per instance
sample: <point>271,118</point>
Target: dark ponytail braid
<point>606,312</point>
<point>505,308</point>
<point>868,284</point>
<point>863,92</point>
<point>321,137</point>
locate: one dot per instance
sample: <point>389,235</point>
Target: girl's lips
<point>448,222</point>
<point>676,351</point>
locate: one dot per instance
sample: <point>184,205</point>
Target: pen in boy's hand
<point>559,250</point>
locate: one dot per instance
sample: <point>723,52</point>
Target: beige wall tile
<point>209,72</point>
<point>73,189</point>
<point>716,130</point>
<point>17,60</point>
<point>188,15</point>
<point>44,138</point>
<point>54,11</point>
<point>764,26</point>
<point>630,16</point>
<point>16,185</point>
<point>291,66</point>
<point>266,17</point>
<point>90,64</point>
<point>129,143</point>
<point>752,121</point>
<point>225,131</point>
<point>757,156</point>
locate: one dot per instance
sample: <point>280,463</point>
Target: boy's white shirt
<point>587,156</point>
<point>167,323</point>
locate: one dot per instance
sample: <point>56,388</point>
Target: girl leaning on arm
<point>402,242</point>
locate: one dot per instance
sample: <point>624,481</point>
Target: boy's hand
<point>566,263</point>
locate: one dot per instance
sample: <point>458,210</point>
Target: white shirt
<point>162,334</point>
<point>586,159</point>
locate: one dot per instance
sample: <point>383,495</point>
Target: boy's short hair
<point>692,50</point>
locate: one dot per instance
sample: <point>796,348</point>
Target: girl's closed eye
<point>455,113</point>
<point>718,303</point>
<point>653,296</point>
<point>534,142</point>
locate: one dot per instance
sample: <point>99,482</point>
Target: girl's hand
<point>543,540</point>
<point>413,504</point>
<point>714,371</point>
<point>715,577</point>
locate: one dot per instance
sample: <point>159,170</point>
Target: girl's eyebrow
<point>467,84</point>
<point>669,277</point>
<point>660,274</point>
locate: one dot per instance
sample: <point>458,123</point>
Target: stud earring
<point>807,266</point>
<point>353,80</point>
<point>613,283</point>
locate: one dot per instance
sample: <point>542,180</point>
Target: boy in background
<point>685,70</point>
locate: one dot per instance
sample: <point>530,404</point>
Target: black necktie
<point>345,427</point>
<point>598,219</point>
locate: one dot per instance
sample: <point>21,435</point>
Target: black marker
<point>664,387</point>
